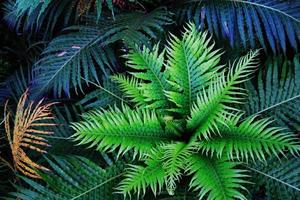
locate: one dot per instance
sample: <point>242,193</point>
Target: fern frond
<point>276,93</point>
<point>251,138</point>
<point>74,177</point>
<point>174,162</point>
<point>68,58</point>
<point>192,63</point>
<point>27,134</point>
<point>212,105</point>
<point>130,86</point>
<point>124,128</point>
<point>138,178</point>
<point>215,178</point>
<point>273,25</point>
<point>149,65</point>
<point>107,93</point>
<point>280,179</point>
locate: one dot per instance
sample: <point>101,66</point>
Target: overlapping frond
<point>192,63</point>
<point>273,25</point>
<point>123,128</point>
<point>212,104</point>
<point>130,87</point>
<point>174,162</point>
<point>276,94</point>
<point>74,177</point>
<point>138,178</point>
<point>80,53</point>
<point>27,134</point>
<point>105,94</point>
<point>150,65</point>
<point>250,139</point>
<point>216,178</point>
<point>281,180</point>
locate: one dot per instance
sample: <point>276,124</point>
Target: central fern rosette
<point>181,119</point>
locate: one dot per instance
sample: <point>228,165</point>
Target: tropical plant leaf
<point>250,138</point>
<point>280,179</point>
<point>123,128</point>
<point>272,24</point>
<point>192,63</point>
<point>276,94</point>
<point>74,177</point>
<point>80,53</point>
<point>215,178</point>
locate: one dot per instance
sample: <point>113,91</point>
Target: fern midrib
<point>219,182</point>
<point>189,76</point>
<point>155,75</point>
<point>107,91</point>
<point>278,104</point>
<point>97,186</point>
<point>68,62</point>
<point>266,7</point>
<point>272,177</point>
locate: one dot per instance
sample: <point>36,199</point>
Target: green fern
<point>181,135</point>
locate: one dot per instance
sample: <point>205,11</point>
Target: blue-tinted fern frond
<point>81,54</point>
<point>270,24</point>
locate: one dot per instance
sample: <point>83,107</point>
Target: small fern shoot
<point>185,120</point>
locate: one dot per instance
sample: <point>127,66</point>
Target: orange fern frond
<point>27,134</point>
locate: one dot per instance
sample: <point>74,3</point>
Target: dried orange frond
<point>29,128</point>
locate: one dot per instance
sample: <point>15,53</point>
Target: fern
<point>276,92</point>
<point>79,54</point>
<point>27,135</point>
<point>280,180</point>
<point>74,178</point>
<point>216,178</point>
<point>171,142</point>
<point>270,24</point>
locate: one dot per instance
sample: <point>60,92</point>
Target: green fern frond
<point>150,64</point>
<point>131,88</point>
<point>216,179</point>
<point>138,178</point>
<point>251,138</point>
<point>192,63</point>
<point>124,128</point>
<point>212,105</point>
<point>174,161</point>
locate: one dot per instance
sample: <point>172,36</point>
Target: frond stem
<point>272,177</point>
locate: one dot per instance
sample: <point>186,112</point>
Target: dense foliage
<point>150,110</point>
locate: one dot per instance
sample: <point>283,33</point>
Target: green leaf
<point>192,63</point>
<point>250,138</point>
<point>215,178</point>
<point>124,128</point>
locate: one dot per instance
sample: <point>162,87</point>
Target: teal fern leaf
<point>80,53</point>
<point>74,177</point>
<point>276,94</point>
